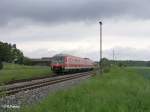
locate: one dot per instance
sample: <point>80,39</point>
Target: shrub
<point>27,61</point>
<point>105,63</point>
<point>1,65</point>
<point>121,64</point>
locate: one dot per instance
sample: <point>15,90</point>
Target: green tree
<point>17,56</point>
<point>148,64</point>
<point>9,53</point>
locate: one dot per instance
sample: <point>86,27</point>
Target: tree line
<point>130,63</point>
<point>9,53</point>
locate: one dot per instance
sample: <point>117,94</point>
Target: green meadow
<point>120,90</point>
<point>12,72</point>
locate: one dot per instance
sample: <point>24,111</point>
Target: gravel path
<point>12,102</point>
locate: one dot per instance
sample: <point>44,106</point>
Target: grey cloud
<point>50,11</point>
<point>121,53</point>
<point>127,53</point>
<point>40,53</point>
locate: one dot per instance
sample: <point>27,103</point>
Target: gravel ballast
<point>14,102</point>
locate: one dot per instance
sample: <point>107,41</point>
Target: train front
<point>57,64</point>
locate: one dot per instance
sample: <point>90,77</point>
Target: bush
<point>1,65</point>
<point>105,63</point>
<point>121,65</point>
<point>27,61</point>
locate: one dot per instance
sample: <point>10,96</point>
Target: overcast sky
<point>42,28</point>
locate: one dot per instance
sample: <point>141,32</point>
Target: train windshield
<point>58,60</point>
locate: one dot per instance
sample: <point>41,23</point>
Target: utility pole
<point>100,61</point>
<point>113,55</point>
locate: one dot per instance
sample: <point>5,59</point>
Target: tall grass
<point>121,90</point>
<point>17,72</point>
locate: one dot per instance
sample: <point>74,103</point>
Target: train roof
<point>63,55</point>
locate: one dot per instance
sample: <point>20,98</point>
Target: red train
<point>66,63</point>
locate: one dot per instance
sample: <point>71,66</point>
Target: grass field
<point>16,72</point>
<point>121,90</point>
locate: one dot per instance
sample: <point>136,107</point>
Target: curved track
<point>29,85</point>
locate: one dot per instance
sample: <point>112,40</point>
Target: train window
<point>58,60</point>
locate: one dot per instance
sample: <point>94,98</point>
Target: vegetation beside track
<point>120,90</point>
<point>13,72</point>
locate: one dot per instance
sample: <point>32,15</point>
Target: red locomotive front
<point>58,63</point>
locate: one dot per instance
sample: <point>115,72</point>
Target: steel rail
<point>35,85</point>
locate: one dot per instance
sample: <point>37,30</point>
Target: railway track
<point>30,85</point>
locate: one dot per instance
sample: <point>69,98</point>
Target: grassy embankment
<point>12,72</point>
<point>121,90</point>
